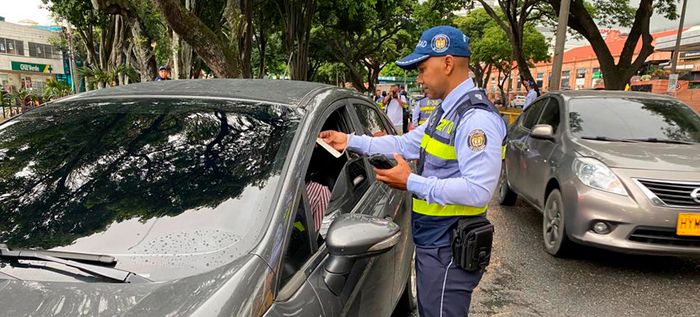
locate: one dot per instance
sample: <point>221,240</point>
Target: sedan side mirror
<point>359,235</point>
<point>543,132</point>
<point>353,236</point>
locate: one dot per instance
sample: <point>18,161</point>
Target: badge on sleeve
<point>477,140</point>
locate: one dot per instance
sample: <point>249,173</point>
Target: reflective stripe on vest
<point>437,148</point>
<point>424,208</point>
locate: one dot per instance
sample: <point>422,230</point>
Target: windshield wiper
<point>604,138</point>
<point>669,141</point>
<point>98,259</point>
<point>104,270</point>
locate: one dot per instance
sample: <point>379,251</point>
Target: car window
<point>299,247</point>
<point>372,123</point>
<point>633,118</point>
<point>172,187</point>
<point>335,185</point>
<point>533,113</point>
<point>550,115</point>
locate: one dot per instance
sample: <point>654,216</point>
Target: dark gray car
<point>616,170</point>
<point>198,198</point>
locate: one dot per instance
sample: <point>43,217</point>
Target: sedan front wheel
<point>556,242</point>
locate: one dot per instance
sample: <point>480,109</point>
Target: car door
<point>518,148</point>
<point>367,290</point>
<point>539,160</point>
<point>396,203</point>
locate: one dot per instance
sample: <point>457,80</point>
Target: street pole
<point>676,52</point>
<point>71,60</point>
<point>559,46</point>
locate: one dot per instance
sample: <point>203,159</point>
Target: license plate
<point>688,224</point>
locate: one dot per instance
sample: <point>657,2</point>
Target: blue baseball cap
<point>437,41</point>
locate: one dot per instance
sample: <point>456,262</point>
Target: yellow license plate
<point>688,224</point>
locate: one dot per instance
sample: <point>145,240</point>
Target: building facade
<point>27,59</point>
<point>581,69</point>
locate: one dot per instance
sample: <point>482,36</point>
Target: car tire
<point>408,303</point>
<point>556,241</point>
<point>506,196</point>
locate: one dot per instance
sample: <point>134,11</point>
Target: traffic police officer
<point>422,110</point>
<point>459,153</point>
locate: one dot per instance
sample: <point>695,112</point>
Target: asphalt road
<point>523,280</point>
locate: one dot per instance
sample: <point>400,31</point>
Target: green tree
<point>586,15</point>
<point>492,49</point>
<point>227,53</point>
<point>366,35</point>
<point>512,18</point>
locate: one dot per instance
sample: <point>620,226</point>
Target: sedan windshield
<point>170,187</point>
<point>653,120</point>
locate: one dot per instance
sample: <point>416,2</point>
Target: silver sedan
<point>615,170</point>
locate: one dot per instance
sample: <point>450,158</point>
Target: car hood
<point>641,155</point>
<point>233,290</point>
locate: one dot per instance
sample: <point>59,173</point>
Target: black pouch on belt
<point>471,243</point>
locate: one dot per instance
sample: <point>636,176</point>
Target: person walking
<point>459,163</point>
<point>531,94</point>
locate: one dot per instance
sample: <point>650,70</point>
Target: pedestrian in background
<point>459,164</point>
<point>395,103</point>
<point>163,73</point>
<point>531,93</point>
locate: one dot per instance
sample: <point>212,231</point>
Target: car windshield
<point>633,118</point>
<point>170,187</point>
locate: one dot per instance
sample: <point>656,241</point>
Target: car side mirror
<point>543,132</point>
<point>354,236</point>
<point>360,235</point>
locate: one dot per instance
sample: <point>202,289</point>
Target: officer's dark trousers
<point>444,289</point>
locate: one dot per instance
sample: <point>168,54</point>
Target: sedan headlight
<point>595,174</point>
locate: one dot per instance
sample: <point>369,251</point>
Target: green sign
<point>31,67</point>
<point>597,75</point>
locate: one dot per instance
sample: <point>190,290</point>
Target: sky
<point>16,10</point>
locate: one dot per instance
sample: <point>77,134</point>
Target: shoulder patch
<point>477,140</point>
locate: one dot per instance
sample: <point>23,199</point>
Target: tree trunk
<point>209,47</point>
<point>298,17</point>
<point>143,52</point>
<point>175,50</point>
<point>247,39</point>
<point>615,76</point>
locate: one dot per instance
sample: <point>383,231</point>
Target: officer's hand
<point>338,140</point>
<point>396,177</point>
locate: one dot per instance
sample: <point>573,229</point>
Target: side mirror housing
<point>543,132</point>
<point>351,237</point>
<point>359,235</point>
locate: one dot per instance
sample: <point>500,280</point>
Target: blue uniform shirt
<point>479,170</point>
<point>531,96</point>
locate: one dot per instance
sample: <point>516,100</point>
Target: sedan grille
<point>663,236</point>
<point>674,193</point>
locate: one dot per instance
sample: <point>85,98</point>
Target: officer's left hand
<point>397,176</point>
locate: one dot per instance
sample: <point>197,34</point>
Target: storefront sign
<point>690,55</point>
<point>31,67</point>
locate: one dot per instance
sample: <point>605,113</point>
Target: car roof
<point>607,94</point>
<point>288,92</point>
